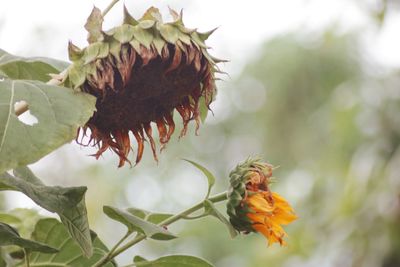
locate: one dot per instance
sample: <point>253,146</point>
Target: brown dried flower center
<point>148,95</point>
<point>135,88</point>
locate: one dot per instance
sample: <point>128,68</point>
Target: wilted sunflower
<point>140,72</point>
<point>252,207</point>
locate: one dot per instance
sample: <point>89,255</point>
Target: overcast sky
<point>43,27</point>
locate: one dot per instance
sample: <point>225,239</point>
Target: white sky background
<point>43,28</point>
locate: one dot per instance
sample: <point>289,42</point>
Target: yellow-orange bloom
<point>251,205</point>
<point>268,211</point>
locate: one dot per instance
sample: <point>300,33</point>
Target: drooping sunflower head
<point>252,207</point>
<point>140,73</point>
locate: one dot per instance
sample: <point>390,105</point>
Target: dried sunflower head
<point>140,72</point>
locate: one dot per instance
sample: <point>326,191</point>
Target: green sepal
<point>94,25</point>
<point>235,198</point>
<point>103,50</point>
<point>204,35</point>
<point>76,76</point>
<point>178,18</point>
<point>196,38</point>
<point>158,42</point>
<point>128,19</point>
<point>94,51</point>
<point>169,32</point>
<point>124,33</point>
<point>136,45</point>
<point>115,49</point>
<point>184,38</point>
<point>74,52</point>
<point>184,29</point>
<point>146,24</point>
<point>145,37</point>
<point>152,14</point>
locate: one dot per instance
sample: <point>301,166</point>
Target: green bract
<point>241,186</point>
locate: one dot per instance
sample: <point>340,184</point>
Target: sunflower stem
<point>26,252</point>
<point>108,8</point>
<point>140,237</point>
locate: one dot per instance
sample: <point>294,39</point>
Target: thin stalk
<point>106,258</point>
<point>26,258</point>
<point>108,8</point>
<point>140,237</point>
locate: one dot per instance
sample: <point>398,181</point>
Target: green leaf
<point>137,224</point>
<point>67,202</point>
<point>52,198</point>
<point>207,173</point>
<point>54,233</point>
<point>138,259</point>
<point>124,33</point>
<point>212,210</point>
<point>24,220</point>
<point>94,26</point>
<point>2,261</point>
<point>169,32</point>
<point>36,68</point>
<point>175,261</point>
<point>9,236</point>
<point>155,218</point>
<point>59,111</point>
<point>27,175</point>
<point>9,218</point>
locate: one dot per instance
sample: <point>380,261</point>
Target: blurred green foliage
<point>316,107</point>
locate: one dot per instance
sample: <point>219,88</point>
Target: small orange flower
<point>252,207</point>
<point>268,212</point>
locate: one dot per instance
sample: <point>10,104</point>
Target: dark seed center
<point>149,94</point>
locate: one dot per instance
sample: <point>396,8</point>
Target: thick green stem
<point>108,8</point>
<point>140,237</point>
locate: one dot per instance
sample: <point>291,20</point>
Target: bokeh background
<point>313,86</point>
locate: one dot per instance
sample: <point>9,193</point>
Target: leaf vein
<point>8,118</point>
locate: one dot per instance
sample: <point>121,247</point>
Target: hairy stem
<point>108,8</point>
<point>106,258</point>
<point>140,237</point>
<point>26,252</point>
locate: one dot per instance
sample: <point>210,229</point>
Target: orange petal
<point>259,203</point>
